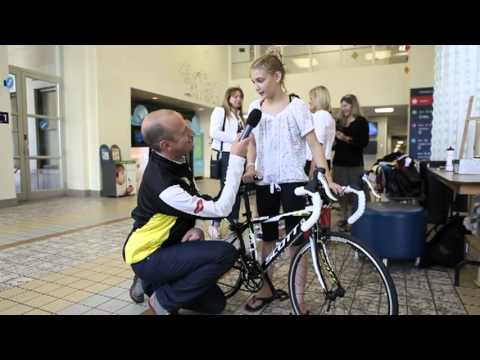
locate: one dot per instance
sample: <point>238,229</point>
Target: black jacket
<point>168,204</point>
<point>351,154</point>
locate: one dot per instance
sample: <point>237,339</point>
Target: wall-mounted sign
<point>3,117</point>
<point>9,82</point>
<point>43,124</point>
<point>421,109</point>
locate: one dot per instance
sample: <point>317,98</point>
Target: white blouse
<point>325,130</point>
<point>227,136</point>
<point>281,144</point>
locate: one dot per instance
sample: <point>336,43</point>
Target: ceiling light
<point>379,55</point>
<point>304,63</point>
<point>384,110</point>
<point>155,98</point>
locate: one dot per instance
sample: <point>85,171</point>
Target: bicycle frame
<point>294,235</point>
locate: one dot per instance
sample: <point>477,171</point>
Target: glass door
<point>37,135</point>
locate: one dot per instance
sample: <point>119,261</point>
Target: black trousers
<point>269,204</point>
<point>185,275</point>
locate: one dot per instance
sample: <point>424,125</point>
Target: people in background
<point>348,166</point>
<point>323,122</point>
<point>226,122</point>
<point>276,154</point>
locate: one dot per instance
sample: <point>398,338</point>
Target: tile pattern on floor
<point>82,272</point>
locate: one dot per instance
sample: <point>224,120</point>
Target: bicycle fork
<point>336,289</point>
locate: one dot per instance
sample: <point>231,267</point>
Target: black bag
<point>447,247</point>
<point>402,181</point>
<point>215,164</point>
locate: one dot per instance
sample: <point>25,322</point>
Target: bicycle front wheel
<point>369,288</point>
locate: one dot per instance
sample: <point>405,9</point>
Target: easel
<point>468,118</point>
<point>470,239</point>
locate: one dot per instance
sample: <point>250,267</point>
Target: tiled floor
<point>43,218</point>
<point>82,271</point>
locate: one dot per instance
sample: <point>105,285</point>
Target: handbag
<point>215,164</point>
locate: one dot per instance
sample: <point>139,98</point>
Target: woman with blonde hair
<point>226,122</point>
<point>323,122</point>
<point>276,154</point>
<point>351,138</point>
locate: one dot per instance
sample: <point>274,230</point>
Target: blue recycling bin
<point>393,230</point>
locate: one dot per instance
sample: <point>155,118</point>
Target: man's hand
<point>193,234</point>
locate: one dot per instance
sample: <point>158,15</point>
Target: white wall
<point>457,77</point>
<point>7,179</point>
<point>98,80</point>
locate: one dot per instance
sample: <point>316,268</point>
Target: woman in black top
<point>351,138</point>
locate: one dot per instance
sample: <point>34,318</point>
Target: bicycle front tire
<point>369,288</point>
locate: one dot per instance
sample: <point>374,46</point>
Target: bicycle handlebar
<point>361,203</point>
<point>311,190</point>
<point>372,190</point>
<point>317,207</point>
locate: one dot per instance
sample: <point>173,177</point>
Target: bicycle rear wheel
<point>369,288</point>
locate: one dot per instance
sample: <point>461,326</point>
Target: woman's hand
<point>337,189</point>
<point>341,136</point>
<point>251,175</point>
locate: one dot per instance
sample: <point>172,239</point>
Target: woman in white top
<point>276,154</point>
<point>226,122</point>
<point>324,124</point>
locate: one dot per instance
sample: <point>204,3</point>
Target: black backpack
<point>447,247</point>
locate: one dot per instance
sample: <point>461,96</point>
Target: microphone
<point>252,121</point>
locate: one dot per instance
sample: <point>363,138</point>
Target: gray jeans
<point>345,175</point>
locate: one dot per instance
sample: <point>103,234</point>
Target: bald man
<point>165,247</point>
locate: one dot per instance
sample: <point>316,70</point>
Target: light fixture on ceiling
<point>379,55</point>
<point>384,110</point>
<point>304,63</point>
<point>155,98</point>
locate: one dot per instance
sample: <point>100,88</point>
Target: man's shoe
<point>156,307</point>
<point>136,290</point>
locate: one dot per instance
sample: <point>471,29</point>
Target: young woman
<point>351,138</point>
<point>323,122</point>
<point>226,122</point>
<point>276,154</point>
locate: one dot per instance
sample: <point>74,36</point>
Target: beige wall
<point>421,65</point>
<point>7,179</point>
<point>204,117</point>
<point>374,85</point>
<point>102,81</point>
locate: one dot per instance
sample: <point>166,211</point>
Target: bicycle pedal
<point>281,295</point>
